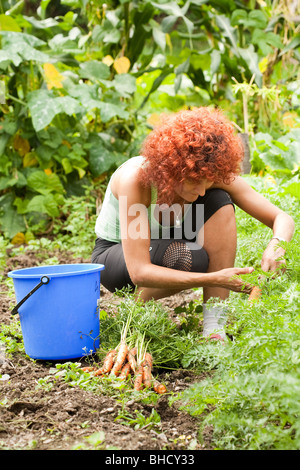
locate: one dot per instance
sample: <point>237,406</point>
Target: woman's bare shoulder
<point>126,181</point>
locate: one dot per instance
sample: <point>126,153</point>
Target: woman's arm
<point>135,232</point>
<point>263,210</point>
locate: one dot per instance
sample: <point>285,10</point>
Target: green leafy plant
<point>189,316</point>
<point>165,342</point>
<point>139,421</point>
<point>249,397</point>
<point>11,339</point>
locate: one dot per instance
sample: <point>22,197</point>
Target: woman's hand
<point>272,259</point>
<point>229,279</point>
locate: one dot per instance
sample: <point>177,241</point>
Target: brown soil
<point>61,418</point>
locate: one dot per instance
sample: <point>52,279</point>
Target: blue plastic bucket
<point>58,310</point>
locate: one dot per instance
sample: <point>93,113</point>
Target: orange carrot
<point>120,359</point>
<point>125,371</point>
<point>109,361</point>
<point>88,369</point>
<point>98,372</point>
<point>131,358</point>
<point>158,387</point>
<point>138,378</point>
<point>255,294</point>
<point>146,371</point>
<point>148,359</point>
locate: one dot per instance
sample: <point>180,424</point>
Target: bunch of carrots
<point>134,361</point>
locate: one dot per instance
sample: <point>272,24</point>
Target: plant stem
<point>17,100</point>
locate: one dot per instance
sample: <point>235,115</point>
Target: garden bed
<point>67,417</point>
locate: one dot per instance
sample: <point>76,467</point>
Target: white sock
<point>214,319</point>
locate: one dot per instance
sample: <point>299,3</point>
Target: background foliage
<point>82,82</point>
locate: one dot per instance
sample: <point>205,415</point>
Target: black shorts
<point>179,251</point>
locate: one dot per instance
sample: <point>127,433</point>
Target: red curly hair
<point>190,144</point>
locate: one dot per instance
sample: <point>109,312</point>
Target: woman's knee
<point>185,256</point>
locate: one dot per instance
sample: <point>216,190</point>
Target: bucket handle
<point>44,280</point>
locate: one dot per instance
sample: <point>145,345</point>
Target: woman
<point>167,222</point>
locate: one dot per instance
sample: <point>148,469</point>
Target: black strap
<point>44,280</point>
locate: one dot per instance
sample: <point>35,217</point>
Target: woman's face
<point>190,191</point>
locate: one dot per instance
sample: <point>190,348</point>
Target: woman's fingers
<point>273,259</point>
<point>229,278</point>
<point>273,265</point>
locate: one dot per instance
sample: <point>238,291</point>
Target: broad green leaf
<point>106,33</point>
<point>61,44</point>
<point>44,106</point>
<point>189,24</point>
<point>21,205</point>
<point>8,56</point>
<point>7,182</point>
<point>45,204</point>
<point>257,19</point>
<point>238,17</point>
<point>41,24</point>
<point>280,145</point>
<point>110,110</point>
<point>42,183</point>
<point>21,46</point>
<point>228,31</point>
<point>159,37</point>
<point>94,70</point>
<point>266,41</point>
<point>13,38</point>
<point>44,154</point>
<point>52,137</point>
<point>168,23</point>
<point>273,160</point>
<point>293,189</point>
<point>183,68</point>
<point>101,159</point>
<point>43,7</point>
<point>9,125</point>
<point>7,23</point>
<point>10,221</point>
<point>262,138</point>
<point>67,165</point>
<point>18,179</point>
<point>112,37</point>
<point>125,84</point>
<point>171,8</point>
<point>5,164</point>
<point>252,61</point>
<point>87,95</point>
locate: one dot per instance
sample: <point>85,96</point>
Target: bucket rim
<point>20,273</point>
